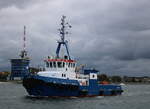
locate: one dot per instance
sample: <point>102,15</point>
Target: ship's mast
<point>63,32</point>
<point>24,52</point>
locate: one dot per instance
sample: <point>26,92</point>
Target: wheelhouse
<point>60,64</point>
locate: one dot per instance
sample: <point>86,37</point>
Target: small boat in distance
<point>61,79</point>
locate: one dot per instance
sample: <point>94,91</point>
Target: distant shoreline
<point>134,83</point>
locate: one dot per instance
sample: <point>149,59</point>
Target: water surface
<point>14,96</point>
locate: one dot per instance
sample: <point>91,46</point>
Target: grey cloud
<point>112,36</point>
<point>17,3</point>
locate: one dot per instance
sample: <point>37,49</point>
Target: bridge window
<point>47,64</point>
<point>93,76</point>
<point>63,64</point>
<point>63,75</point>
<point>50,64</point>
<point>59,64</point>
<point>69,64</point>
<point>73,64</point>
<point>54,64</point>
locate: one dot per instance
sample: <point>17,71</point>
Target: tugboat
<point>62,79</point>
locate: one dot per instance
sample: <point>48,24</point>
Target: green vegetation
<point>103,77</point>
<point>4,75</point>
<point>125,79</point>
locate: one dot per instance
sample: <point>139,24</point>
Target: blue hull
<point>54,87</point>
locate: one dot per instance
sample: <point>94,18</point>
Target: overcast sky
<point>112,36</point>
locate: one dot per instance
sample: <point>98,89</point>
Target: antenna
<point>64,26</point>
<point>24,52</point>
<point>24,39</point>
<point>63,31</point>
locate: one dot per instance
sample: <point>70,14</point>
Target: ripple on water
<point>14,96</point>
